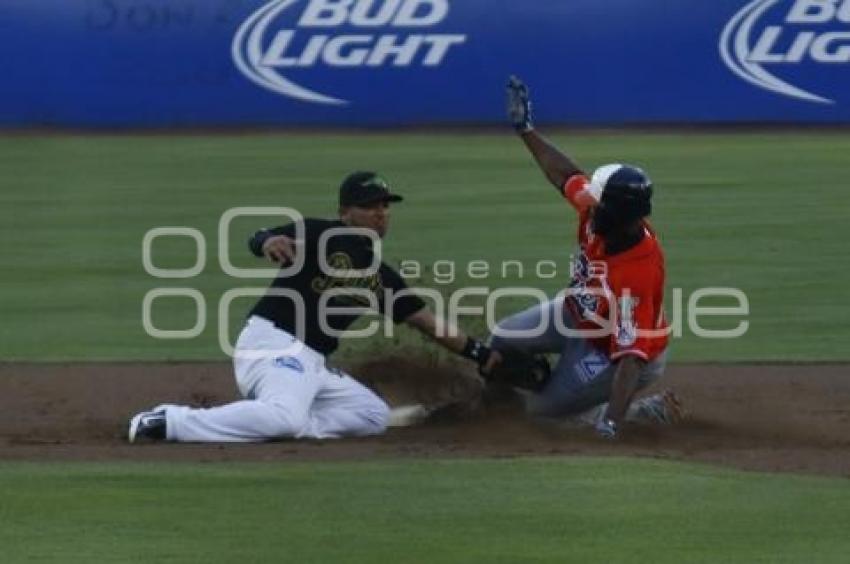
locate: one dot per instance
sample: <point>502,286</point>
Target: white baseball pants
<point>288,392</point>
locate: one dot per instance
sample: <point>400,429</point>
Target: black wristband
<point>256,242</point>
<point>477,351</point>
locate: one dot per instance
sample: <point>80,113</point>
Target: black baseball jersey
<point>342,252</point>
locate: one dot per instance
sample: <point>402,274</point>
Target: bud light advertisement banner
<point>202,63</point>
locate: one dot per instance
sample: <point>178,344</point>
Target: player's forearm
<point>468,347</point>
<point>455,344</point>
<point>623,388</point>
<point>255,243</point>
<point>454,339</point>
<point>556,165</point>
<point>438,330</point>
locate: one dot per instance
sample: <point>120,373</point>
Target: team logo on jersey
<point>767,37</point>
<point>626,335</point>
<point>343,262</point>
<point>626,326</point>
<point>289,362</point>
<point>586,295</point>
<point>583,269</point>
<point>295,36</point>
<point>588,302</point>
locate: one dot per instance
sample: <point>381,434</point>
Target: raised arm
<point>556,166</point>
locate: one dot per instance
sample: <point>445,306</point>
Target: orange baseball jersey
<point>620,296</point>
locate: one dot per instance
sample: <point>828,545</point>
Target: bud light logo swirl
<point>780,45</point>
<point>284,40</point>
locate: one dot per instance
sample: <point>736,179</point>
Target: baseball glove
<point>520,369</point>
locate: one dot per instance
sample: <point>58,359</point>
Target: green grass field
<point>523,510</point>
<point>759,212</point>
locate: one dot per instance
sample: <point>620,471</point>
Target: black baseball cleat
<point>147,425</point>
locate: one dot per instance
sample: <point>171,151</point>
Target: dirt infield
<point>792,418</point>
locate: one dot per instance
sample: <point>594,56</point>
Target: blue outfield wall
<point>162,63</point>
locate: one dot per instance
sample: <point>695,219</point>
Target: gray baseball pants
<point>582,376</point>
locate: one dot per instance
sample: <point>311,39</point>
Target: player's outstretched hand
<point>280,249</point>
<point>519,105</point>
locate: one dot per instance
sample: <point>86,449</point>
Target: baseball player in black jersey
<point>279,360</point>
